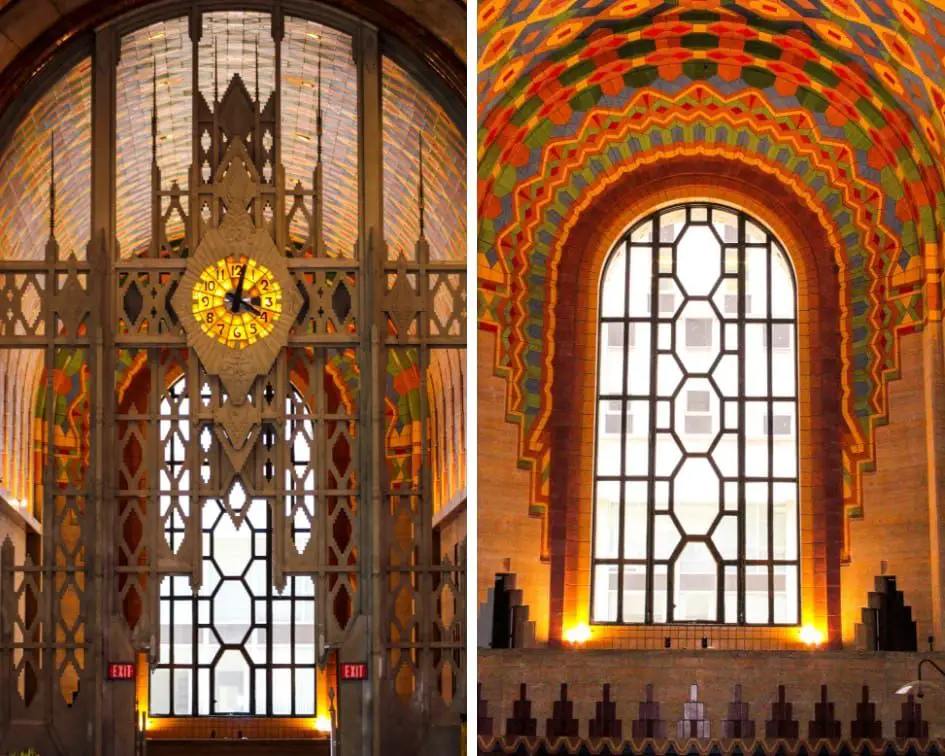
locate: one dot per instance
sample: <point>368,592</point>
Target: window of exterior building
<point>696,464</point>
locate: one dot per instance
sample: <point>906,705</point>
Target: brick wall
<point>715,672</point>
<point>509,539</point>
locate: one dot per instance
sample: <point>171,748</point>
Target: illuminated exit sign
<point>356,671</point>
<point>121,671</point>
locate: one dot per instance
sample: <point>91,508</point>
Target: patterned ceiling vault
<point>842,101</point>
<point>157,61</point>
<point>406,109</point>
<point>64,112</point>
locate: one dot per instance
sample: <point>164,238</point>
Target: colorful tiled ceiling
<point>574,93</point>
<point>63,112</point>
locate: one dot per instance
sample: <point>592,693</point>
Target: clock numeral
<point>237,333</point>
<point>220,328</point>
<point>205,301</point>
<point>253,329</point>
<point>264,317</point>
<point>209,318</point>
<point>235,270</point>
<point>264,284</point>
<point>267,301</point>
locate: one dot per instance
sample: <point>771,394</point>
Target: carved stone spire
<point>420,198</point>
<point>52,185</point>
<point>318,204</point>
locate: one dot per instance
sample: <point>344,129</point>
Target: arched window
<point>696,473</point>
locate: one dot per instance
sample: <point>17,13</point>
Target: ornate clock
<point>237,300</point>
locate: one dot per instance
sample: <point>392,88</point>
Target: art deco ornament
<point>237,300</point>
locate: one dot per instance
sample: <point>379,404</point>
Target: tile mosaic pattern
<point>839,100</point>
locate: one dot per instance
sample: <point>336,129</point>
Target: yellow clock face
<point>237,301</point>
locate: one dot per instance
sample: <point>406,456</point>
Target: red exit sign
<point>121,671</point>
<point>356,671</point>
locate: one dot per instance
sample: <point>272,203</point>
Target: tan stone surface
<point>509,539</point>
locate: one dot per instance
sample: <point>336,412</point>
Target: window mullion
<point>770,439</point>
<point>624,406</point>
<point>742,280</point>
<point>651,446</point>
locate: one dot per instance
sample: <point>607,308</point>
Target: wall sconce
<point>323,724</point>
<point>811,636</point>
<point>578,635</point>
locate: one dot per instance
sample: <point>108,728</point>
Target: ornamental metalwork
<point>235,513</point>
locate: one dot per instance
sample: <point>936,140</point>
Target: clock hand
<point>249,308</point>
<point>238,293</point>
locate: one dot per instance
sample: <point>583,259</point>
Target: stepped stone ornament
<point>237,300</point>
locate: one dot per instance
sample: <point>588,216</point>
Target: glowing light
<point>811,636</point>
<point>312,35</point>
<point>304,137</point>
<point>322,724</point>
<point>578,634</point>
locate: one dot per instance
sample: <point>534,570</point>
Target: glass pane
<point>305,692</point>
<point>699,260</point>
<point>639,359</point>
<point>635,521</point>
<point>785,595</point>
<point>608,436</point>
<point>614,286</point>
<point>695,585</point>
<point>641,279</point>
<point>756,520</point>
<point>785,521</point>
<point>756,359</point>
<point>660,594</point>
<point>783,293</point>
<point>756,595</point>
<point>610,369</point>
<point>634,593</point>
<point>725,537</point>
<point>784,431</point>
<point>731,594</point>
<point>607,525</point>
<point>696,496</point>
<point>637,423</point>
<point>605,593</point>
<point>756,280</point>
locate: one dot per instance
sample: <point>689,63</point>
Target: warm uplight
<point>578,634</point>
<point>811,636</point>
<point>322,724</point>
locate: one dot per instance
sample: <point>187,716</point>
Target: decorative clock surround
<point>237,361</point>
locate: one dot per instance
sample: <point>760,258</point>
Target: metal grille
<point>696,479</point>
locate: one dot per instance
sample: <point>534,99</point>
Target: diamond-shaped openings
<point>696,496</point>
<point>698,260</point>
